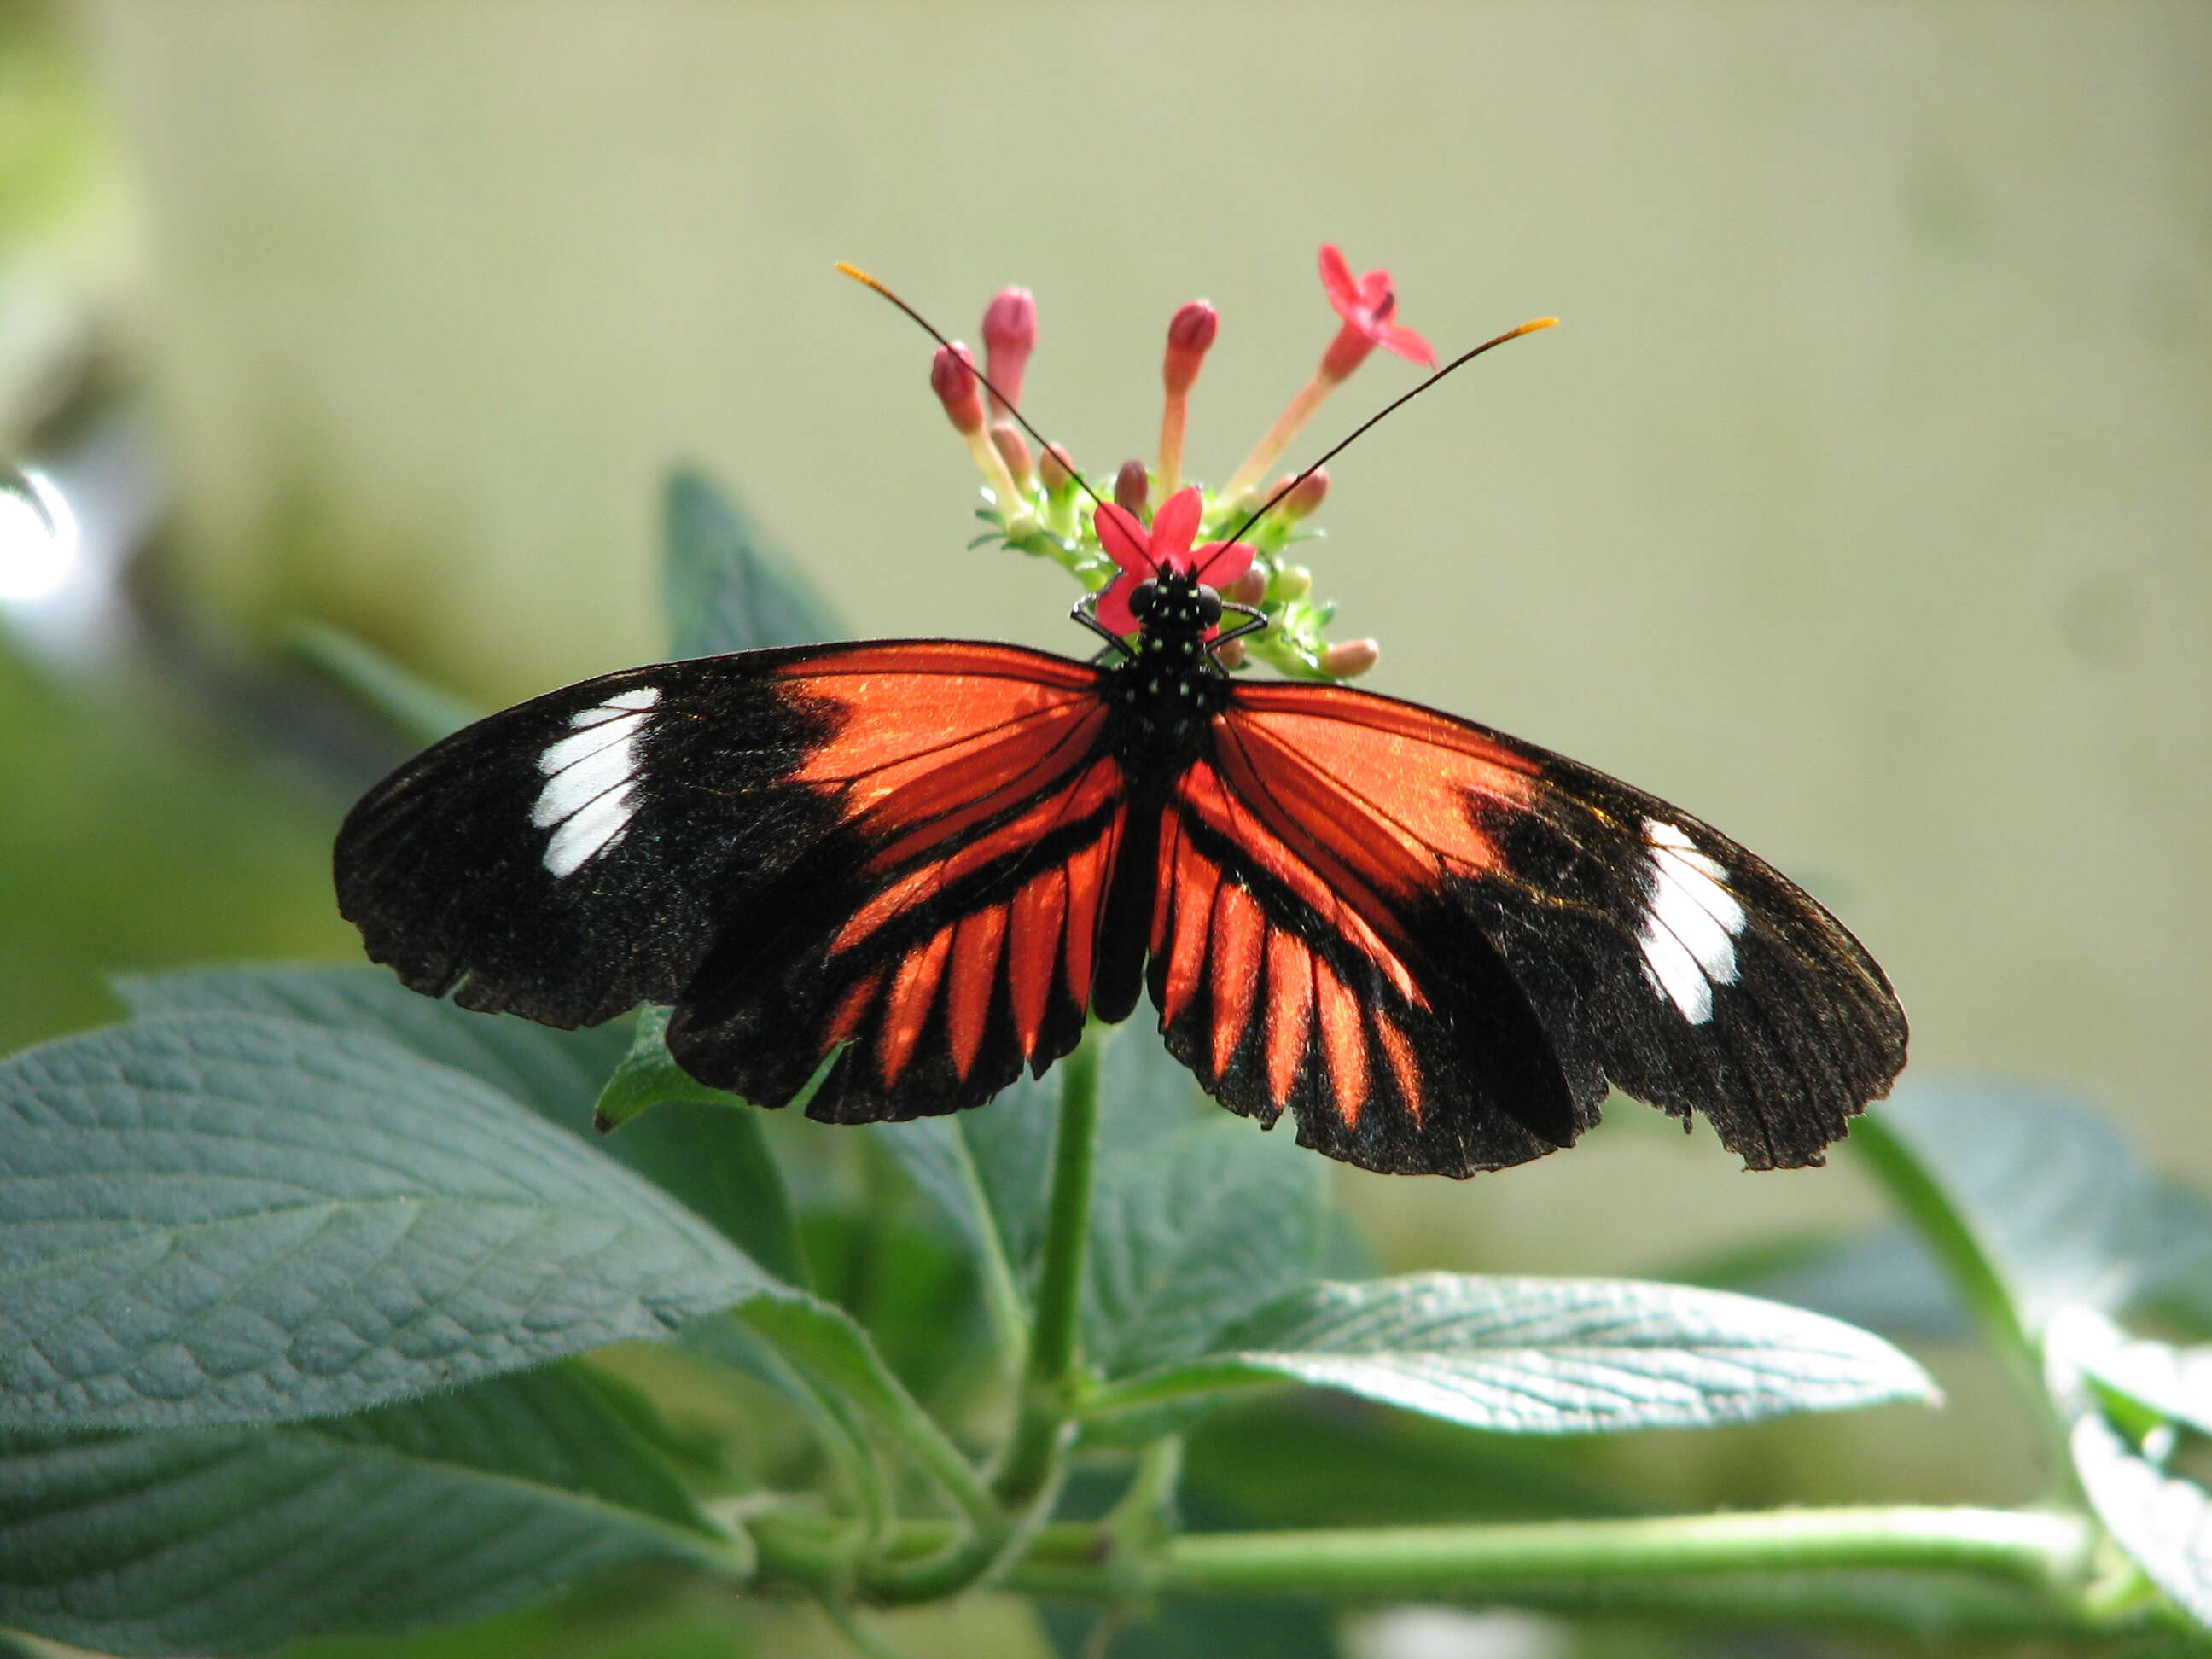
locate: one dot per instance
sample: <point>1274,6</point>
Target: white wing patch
<point>589,777</point>
<point>1689,931</point>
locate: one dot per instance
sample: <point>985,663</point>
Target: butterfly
<point>924,862</point>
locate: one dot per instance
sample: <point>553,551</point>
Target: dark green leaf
<point>1193,1232</point>
<point>236,1541</point>
<point>2163,1520</point>
<point>557,1074</point>
<point>226,1218</point>
<point>1549,1356</point>
<point>704,1145</point>
<point>722,588</point>
<point>716,1161</point>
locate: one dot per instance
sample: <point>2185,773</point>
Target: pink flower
<point>1144,554</point>
<point>1367,306</point>
<point>1010,334</point>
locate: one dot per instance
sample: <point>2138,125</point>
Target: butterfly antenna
<point>1268,506</point>
<point>1021,420</point>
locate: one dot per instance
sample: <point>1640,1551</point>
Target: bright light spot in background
<point>39,539</point>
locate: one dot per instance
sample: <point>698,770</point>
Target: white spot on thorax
<point>1690,924</point>
<point>590,776</point>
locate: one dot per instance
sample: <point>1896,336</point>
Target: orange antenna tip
<point>1526,328</point>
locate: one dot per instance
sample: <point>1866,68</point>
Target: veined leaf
<point>223,1217</point>
<point>237,1540</point>
<point>715,1160</point>
<point>1548,1355</point>
<point>2162,1520</point>
<point>1193,1232</point>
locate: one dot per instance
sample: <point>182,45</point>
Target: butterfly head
<point>1175,602</point>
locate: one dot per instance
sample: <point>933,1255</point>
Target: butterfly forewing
<point>898,849</point>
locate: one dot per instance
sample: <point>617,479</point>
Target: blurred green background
<point>1861,504</point>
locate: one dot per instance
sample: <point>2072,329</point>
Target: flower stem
<point>1287,427</point>
<point>1173,415</point>
<point>1040,1428</point>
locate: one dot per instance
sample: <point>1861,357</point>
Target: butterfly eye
<point>1209,606</point>
<point>1140,600</point>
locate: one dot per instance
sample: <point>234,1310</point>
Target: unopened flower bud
<point>1350,658</point>
<point>1249,589</point>
<point>1292,581</point>
<point>1010,333</point>
<point>1014,450</point>
<point>1057,468</point>
<point>1306,499</point>
<point>1132,488</point>
<point>952,378</point>
<point>1190,335</point>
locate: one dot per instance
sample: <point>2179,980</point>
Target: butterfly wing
<point>1436,945</point>
<point>900,847</point>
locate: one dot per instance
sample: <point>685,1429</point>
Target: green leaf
<point>2162,1520</point>
<point>704,1145</point>
<point>722,590</point>
<point>989,1170</point>
<point>556,1073</point>
<point>1548,1356</point>
<point>715,1160</point>
<point>420,711</point>
<point>2173,1382</point>
<point>237,1541</point>
<point>226,1218</point>
<point>1193,1232</point>
<point>2035,1184</point>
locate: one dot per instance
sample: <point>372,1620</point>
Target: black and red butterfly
<point>1436,946</point>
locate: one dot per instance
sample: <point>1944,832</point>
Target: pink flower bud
<point>1306,499</point>
<point>1190,335</point>
<point>952,378</point>
<point>1249,589</point>
<point>1010,332</point>
<point>1014,450</point>
<point>1350,658</point>
<point>1056,467</point>
<point>1132,488</point>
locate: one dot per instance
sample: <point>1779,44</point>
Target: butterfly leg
<point>1257,619</point>
<point>1085,612</point>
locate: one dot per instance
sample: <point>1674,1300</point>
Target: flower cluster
<point>1037,501</point>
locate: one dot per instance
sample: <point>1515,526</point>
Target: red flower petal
<point>1173,528</point>
<point>1374,292</point>
<point>1336,279</point>
<point>1220,563</point>
<point>1408,345</point>
<point>1113,602</point>
<point>1123,536</point>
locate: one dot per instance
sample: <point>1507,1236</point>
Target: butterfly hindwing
<point>1528,931</point>
<point>899,846</point>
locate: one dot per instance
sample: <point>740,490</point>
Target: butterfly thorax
<point>1169,688</point>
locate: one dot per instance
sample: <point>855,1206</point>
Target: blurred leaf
<point>2173,1383</point>
<point>1306,1459</point>
<point>236,1541</point>
<point>556,1073</point>
<point>2035,1184</point>
<point>1192,1231</point>
<point>1549,1356</point>
<point>716,1161</point>
<point>1882,1278</point>
<point>226,1218</point>
<point>989,1169</point>
<point>1198,1627</point>
<point>418,710</point>
<point>722,589</point>
<point>704,1145</point>
<point>2162,1520</point>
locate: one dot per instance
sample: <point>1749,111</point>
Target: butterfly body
<point>1437,947</point>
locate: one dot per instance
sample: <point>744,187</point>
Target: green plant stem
<point>1021,1494</point>
<point>1911,1570</point>
<point>1002,1296</point>
<point>1974,1272</point>
<point>1042,1426</point>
